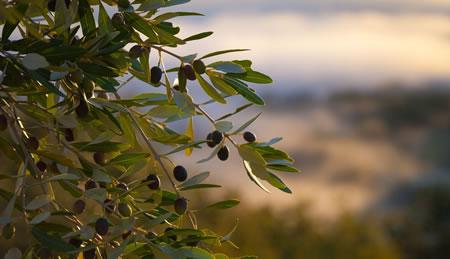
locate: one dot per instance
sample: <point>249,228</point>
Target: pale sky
<point>326,44</point>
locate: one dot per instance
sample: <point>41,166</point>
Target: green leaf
<point>199,36</point>
<point>156,221</point>
<point>224,204</point>
<point>270,142</point>
<point>104,22</point>
<point>189,133</point>
<point>253,177</point>
<point>144,60</point>
<point>150,5</point>
<point>10,25</point>
<point>278,183</point>
<point>284,168</point>
<point>184,232</point>
<point>39,218</point>
<point>175,2</point>
<point>270,153</point>
<point>58,53</point>
<point>173,139</point>
<point>98,194</point>
<point>39,201</point>
<point>128,159</point>
<point>170,15</point>
<point>70,189</point>
<point>165,36</point>
<point>116,252</point>
<point>66,176</point>
<point>223,126</point>
<point>195,180</point>
<point>188,58</point>
<point>209,90</point>
<point>200,186</point>
<point>58,158</point>
<point>244,90</point>
<point>215,151</point>
<point>255,160</point>
<point>106,146</point>
<point>227,67</point>
<point>33,61</point>
<point>221,256</point>
<point>222,52</point>
<point>221,85</point>
<point>141,25</point>
<point>86,17</point>
<point>97,70</point>
<point>245,125</point>
<point>254,77</point>
<point>188,145</point>
<point>184,102</point>
<point>53,241</point>
<point>128,131</point>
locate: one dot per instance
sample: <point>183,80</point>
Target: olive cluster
<point>180,174</point>
<point>216,138</point>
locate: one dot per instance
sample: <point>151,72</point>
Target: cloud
<point>343,48</point>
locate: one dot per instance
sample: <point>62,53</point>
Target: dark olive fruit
<point>89,254</point>
<point>174,238</point>
<point>210,142</point>
<point>223,153</point>
<point>54,168</point>
<point>192,243</point>
<point>3,122</point>
<point>44,253</point>
<point>180,206</point>
<point>155,75</point>
<point>125,209</point>
<point>32,143</point>
<point>217,137</point>
<point>101,226</point>
<point>52,4</point>
<point>8,232</point>
<point>249,137</point>
<point>88,86</point>
<point>117,20</point>
<point>79,206</point>
<point>90,185</point>
<point>68,135</point>
<point>41,165</point>
<point>75,242</point>
<point>110,205</point>
<point>122,186</point>
<point>103,95</point>
<point>99,158</point>
<point>189,72</point>
<point>135,51</point>
<point>155,184</point>
<point>77,76</point>
<point>199,66</point>
<point>180,173</point>
<point>82,109</point>
<point>125,235</point>
<point>151,235</point>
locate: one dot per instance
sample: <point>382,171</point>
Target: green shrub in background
<point>66,128</point>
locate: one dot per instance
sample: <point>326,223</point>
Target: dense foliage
<point>65,125</point>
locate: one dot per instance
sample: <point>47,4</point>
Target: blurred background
<point>361,97</point>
